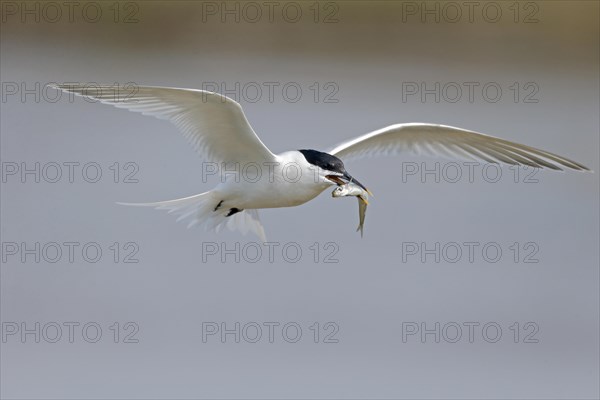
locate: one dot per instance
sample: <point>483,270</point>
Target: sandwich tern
<point>217,128</point>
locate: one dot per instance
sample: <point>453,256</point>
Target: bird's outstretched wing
<point>450,142</point>
<point>214,124</point>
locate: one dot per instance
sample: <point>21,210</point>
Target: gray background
<point>370,292</point>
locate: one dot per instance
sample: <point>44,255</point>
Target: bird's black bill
<point>335,179</point>
<point>351,179</point>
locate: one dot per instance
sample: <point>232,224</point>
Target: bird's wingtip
<point>132,204</point>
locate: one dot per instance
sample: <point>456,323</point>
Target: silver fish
<point>352,189</point>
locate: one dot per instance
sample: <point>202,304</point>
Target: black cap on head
<point>328,162</point>
<point>324,161</point>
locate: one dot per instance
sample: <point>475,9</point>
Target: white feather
<point>448,141</point>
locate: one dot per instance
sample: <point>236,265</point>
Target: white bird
<point>217,128</point>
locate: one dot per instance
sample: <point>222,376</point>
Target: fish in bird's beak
<point>349,178</point>
<point>339,180</point>
<point>353,189</point>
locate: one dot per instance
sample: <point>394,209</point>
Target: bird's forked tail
<point>203,210</point>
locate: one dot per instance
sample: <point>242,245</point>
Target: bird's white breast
<point>287,182</point>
